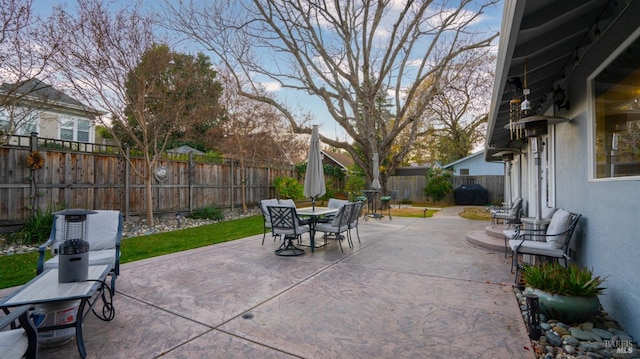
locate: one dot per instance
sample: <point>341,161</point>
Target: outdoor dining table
<point>314,213</point>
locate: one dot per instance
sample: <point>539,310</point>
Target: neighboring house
<point>344,161</point>
<point>185,149</point>
<point>38,107</point>
<point>582,61</point>
<point>475,165</point>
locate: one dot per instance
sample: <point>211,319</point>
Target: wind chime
<point>519,109</point>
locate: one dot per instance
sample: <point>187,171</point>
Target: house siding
<point>608,239</point>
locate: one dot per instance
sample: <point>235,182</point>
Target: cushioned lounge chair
<point>552,243</point>
<point>104,233</point>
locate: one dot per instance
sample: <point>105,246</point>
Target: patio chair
<point>547,214</point>
<point>18,341</point>
<point>510,216</point>
<point>332,203</point>
<point>266,218</point>
<point>338,225</point>
<point>285,223</point>
<point>554,242</point>
<point>356,213</point>
<point>104,233</point>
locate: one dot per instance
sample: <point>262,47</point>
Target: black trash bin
<point>472,194</point>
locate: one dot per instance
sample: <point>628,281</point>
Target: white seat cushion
<point>560,222</point>
<point>287,203</point>
<point>535,247</point>
<point>13,343</point>
<point>105,256</point>
<point>336,203</point>
<point>510,233</point>
<point>264,204</point>
<point>102,230</point>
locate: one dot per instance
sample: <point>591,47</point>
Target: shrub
<point>438,184</point>
<point>556,279</point>
<point>288,188</point>
<point>36,230</point>
<point>208,212</point>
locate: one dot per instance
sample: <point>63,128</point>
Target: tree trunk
<point>148,196</point>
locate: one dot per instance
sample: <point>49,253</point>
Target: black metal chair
<point>285,223</point>
<point>20,341</point>
<point>509,215</point>
<point>340,224</point>
<point>356,213</point>
<point>551,243</point>
<point>266,218</point>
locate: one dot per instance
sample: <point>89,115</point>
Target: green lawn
<point>18,269</point>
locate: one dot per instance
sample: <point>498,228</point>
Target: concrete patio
<point>414,288</point>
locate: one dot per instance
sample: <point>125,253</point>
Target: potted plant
<point>568,294</point>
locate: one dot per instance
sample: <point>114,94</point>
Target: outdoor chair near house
<point>356,213</point>
<point>552,243</point>
<point>286,224</point>
<point>338,225</point>
<point>512,233</point>
<point>18,334</point>
<point>509,216</point>
<point>104,233</point>
<point>266,218</point>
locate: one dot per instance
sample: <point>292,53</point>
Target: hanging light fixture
<point>514,118</point>
<point>525,107</point>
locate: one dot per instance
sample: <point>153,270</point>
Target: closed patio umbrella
<point>375,183</point>
<point>314,186</point>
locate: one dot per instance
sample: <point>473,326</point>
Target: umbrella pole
<point>313,203</point>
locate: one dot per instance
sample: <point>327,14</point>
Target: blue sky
<point>305,103</point>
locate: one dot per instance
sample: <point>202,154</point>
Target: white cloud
<point>271,86</point>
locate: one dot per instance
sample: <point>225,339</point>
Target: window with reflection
<point>617,115</point>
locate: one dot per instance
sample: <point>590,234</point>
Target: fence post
<point>231,183</point>
<point>190,168</point>
<point>33,146</point>
<point>127,151</point>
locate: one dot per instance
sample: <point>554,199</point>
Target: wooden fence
<point>77,175</point>
<point>411,188</point>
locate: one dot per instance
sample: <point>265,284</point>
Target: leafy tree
<point>438,184</point>
<point>110,58</point>
<point>344,54</point>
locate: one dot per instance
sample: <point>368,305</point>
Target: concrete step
<point>481,239</point>
<point>495,230</point>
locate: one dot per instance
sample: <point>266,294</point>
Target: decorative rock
<point>586,326</point>
<point>561,331</point>
<point>553,339</point>
<point>604,334</point>
<point>546,326</point>
<point>572,341</point>
<point>569,349</point>
<point>592,346</point>
<point>584,335</point>
<point>562,325</point>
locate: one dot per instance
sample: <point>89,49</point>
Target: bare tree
<point>343,53</point>
<point>109,58</point>
<point>253,131</point>
<point>457,115</point>
<point>21,62</point>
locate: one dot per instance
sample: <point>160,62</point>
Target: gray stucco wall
<point>607,240</point>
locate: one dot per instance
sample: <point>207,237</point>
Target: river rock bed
<point>599,337</point>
